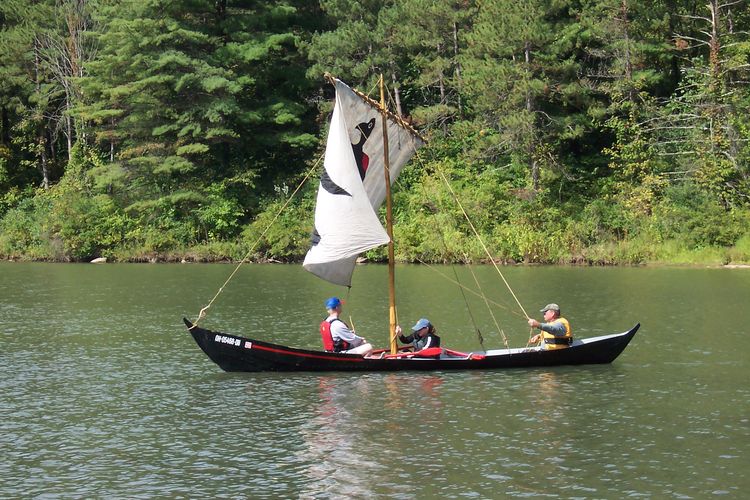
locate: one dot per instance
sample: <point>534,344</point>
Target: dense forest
<point>609,131</point>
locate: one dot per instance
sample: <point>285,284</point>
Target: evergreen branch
<point>701,42</point>
<point>729,4</point>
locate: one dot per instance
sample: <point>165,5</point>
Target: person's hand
<point>533,323</point>
<point>398,329</point>
<point>534,339</point>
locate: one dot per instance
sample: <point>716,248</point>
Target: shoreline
<point>171,259</point>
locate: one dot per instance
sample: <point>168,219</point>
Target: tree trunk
<point>674,58</point>
<point>458,67</point>
<point>43,160</point>
<point>714,47</point>
<point>441,82</point>
<point>111,142</point>
<point>530,110</point>
<point>69,132</point>
<point>396,93</point>
<point>41,142</point>
<point>5,126</point>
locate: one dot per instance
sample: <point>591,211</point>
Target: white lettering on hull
<point>224,339</point>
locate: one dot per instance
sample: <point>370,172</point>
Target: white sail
<point>345,222</point>
<point>352,186</point>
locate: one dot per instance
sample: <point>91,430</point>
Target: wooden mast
<point>388,223</point>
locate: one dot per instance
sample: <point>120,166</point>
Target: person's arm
<point>406,340</point>
<point>556,328</point>
<point>340,330</point>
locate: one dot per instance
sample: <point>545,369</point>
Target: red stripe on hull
<point>303,355</point>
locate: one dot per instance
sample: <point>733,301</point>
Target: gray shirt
<point>339,330</point>
<point>556,328</point>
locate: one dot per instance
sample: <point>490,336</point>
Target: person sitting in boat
<point>555,331</point>
<point>336,335</point>
<point>422,335</point>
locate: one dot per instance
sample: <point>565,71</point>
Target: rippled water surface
<point>104,393</point>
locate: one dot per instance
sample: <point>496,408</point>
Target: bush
<point>218,214</point>
<point>740,252</point>
<point>698,219</point>
<point>24,230</point>
<point>88,226</point>
<point>287,237</point>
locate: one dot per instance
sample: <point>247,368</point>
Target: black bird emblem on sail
<point>360,157</point>
<point>362,160</point>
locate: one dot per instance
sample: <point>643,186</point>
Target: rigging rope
<point>492,314</point>
<point>481,241</point>
<point>466,301</point>
<point>202,313</point>
<point>479,288</point>
<point>468,309</point>
<point>474,292</point>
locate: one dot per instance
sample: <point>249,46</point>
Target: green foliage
<point>87,227</point>
<point>24,232</point>
<point>740,252</point>
<point>699,220</point>
<point>594,132</point>
<point>67,222</point>
<point>282,235</point>
<point>218,214</point>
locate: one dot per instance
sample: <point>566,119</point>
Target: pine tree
<point>197,99</point>
<point>431,36</point>
<point>518,76</point>
<point>28,96</point>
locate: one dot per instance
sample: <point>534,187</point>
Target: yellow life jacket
<point>551,342</point>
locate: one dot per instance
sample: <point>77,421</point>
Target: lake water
<point>105,394</point>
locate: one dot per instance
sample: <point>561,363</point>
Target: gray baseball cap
<point>551,307</point>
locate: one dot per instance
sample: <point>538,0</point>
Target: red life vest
<point>328,343</point>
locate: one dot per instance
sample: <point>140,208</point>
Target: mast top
<point>375,104</point>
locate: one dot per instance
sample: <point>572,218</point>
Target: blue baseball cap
<point>333,303</point>
<point>422,323</point>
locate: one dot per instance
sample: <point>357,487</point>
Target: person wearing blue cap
<point>422,335</point>
<point>336,335</point>
<point>555,332</point>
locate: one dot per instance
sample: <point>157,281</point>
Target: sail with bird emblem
<point>352,186</point>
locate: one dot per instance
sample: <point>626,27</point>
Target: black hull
<point>239,354</point>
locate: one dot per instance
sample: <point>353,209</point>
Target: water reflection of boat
<point>337,448</point>
<point>358,171</point>
<point>337,466</point>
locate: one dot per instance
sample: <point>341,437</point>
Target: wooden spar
<point>389,223</point>
<point>375,104</point>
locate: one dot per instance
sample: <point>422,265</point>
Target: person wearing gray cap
<point>555,331</point>
<point>422,335</point>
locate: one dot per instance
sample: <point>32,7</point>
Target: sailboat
<point>366,148</point>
